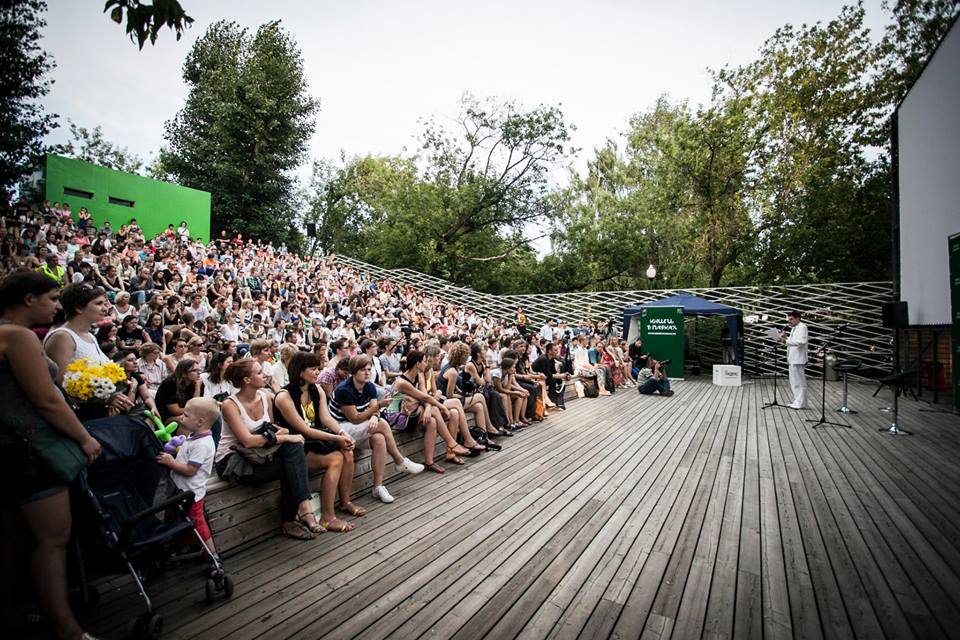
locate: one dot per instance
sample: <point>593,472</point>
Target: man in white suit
<point>796,343</point>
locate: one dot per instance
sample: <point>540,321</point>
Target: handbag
<point>401,420</point>
<point>58,453</point>
<point>258,455</point>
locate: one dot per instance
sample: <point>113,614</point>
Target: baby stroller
<point>117,517</point>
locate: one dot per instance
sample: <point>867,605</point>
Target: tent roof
<point>692,305</point>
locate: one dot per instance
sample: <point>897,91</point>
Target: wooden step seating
<point>240,516</point>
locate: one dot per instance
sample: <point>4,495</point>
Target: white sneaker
<point>410,466</point>
<point>380,493</point>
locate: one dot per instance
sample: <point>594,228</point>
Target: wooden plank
<point>804,618</point>
<point>696,516</point>
<point>362,572</point>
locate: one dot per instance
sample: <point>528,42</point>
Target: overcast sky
<point>379,66</point>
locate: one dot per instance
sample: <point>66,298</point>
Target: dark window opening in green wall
<point>77,193</point>
<point>154,203</point>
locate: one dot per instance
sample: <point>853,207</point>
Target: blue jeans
<point>653,385</point>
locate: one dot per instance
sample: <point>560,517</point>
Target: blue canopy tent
<point>692,306</point>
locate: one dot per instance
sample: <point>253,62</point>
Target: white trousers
<point>798,384</point>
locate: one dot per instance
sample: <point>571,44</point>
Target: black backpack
<point>590,388</point>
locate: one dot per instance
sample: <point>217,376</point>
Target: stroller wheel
<point>227,586</point>
<point>154,627</point>
<point>147,625</point>
<point>211,590</point>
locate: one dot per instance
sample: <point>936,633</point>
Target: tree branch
<point>510,250</point>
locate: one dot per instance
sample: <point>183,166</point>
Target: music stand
<point>823,386</point>
<point>776,367</point>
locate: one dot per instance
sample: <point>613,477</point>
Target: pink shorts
<point>199,520</point>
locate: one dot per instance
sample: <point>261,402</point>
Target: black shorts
<point>321,447</point>
<point>21,480</point>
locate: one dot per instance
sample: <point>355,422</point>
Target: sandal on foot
<point>459,450</point>
<point>337,526</point>
<point>433,466</point>
<point>316,527</point>
<point>454,459</point>
<point>296,531</point>
<point>493,446</point>
<point>475,451</point>
<point>352,509</point>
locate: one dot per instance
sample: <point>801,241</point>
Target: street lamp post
<point>652,275</point>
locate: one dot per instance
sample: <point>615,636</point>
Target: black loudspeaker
<point>895,315</point>
<point>311,230</point>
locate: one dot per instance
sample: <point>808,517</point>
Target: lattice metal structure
<point>824,306</point>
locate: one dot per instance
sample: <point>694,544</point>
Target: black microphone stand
<point>776,367</point>
<point>823,386</point>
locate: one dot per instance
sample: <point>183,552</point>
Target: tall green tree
<point>822,208</point>
<point>24,80</point>
<point>244,128</point>
<point>677,196</point>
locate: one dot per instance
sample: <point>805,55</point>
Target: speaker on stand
<point>895,316</point>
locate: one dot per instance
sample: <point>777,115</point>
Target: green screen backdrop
<point>661,329</point>
<point>117,196</point>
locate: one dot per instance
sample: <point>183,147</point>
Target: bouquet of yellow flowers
<point>86,382</point>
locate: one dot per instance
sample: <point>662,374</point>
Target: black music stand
<point>776,367</point>
<point>823,386</point>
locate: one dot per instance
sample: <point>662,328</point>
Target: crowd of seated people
<point>333,360</point>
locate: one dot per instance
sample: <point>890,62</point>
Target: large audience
<point>275,365</point>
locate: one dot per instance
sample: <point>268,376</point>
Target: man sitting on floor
<point>653,378</point>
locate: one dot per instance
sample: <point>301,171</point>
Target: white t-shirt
<point>197,451</point>
<point>213,389</point>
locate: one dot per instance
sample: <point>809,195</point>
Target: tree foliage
<point>784,176</point>
<point>144,21</point>
<point>460,207</point>
<point>244,128</point>
<point>24,80</point>
<point>89,145</point>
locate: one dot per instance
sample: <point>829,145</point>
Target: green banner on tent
<point>661,329</point>
<point>954,244</point>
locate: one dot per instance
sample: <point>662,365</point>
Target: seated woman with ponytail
<point>243,415</point>
<point>416,408</point>
<point>301,407</point>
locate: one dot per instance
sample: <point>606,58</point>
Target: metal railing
<point>824,307</point>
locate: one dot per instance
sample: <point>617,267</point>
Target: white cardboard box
<point>726,375</point>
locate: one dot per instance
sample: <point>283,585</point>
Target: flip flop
<point>433,466</point>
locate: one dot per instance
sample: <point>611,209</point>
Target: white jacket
<point>797,345</point>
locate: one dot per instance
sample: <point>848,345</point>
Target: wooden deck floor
<point>695,516</point>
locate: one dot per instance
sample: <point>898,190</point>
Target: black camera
<point>664,363</point>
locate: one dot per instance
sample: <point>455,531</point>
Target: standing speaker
<point>311,230</point>
<point>895,315</point>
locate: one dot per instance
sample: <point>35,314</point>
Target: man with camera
<point>653,378</point>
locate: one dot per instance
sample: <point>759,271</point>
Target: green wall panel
<point>156,203</point>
